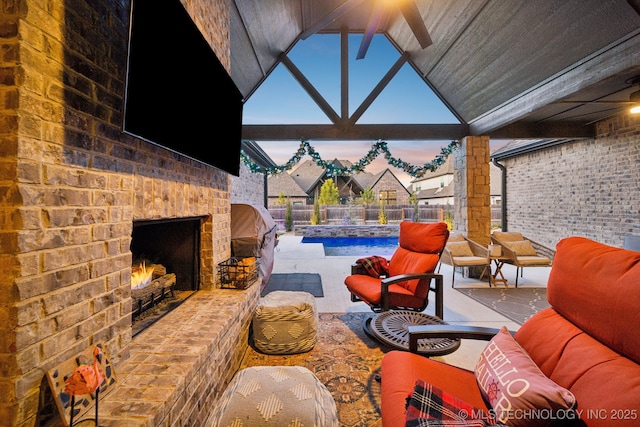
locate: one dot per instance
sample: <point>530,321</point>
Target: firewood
<point>158,287</point>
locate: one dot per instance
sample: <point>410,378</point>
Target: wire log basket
<point>238,272</point>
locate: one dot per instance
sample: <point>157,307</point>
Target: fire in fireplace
<point>141,276</point>
<point>165,270</point>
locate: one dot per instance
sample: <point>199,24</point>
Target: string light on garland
<point>379,147</point>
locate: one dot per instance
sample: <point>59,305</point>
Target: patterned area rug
<point>346,360</point>
<point>518,304</point>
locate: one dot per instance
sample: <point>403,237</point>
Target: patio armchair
<point>522,252</point>
<point>411,272</point>
<point>460,252</point>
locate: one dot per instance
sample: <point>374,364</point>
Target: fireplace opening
<point>165,267</point>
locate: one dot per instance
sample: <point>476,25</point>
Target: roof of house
<point>374,179</point>
<point>447,168</point>
<point>436,192</point>
<point>300,181</point>
<point>309,174</point>
<point>283,183</point>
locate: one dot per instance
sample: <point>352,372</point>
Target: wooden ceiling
<point>510,69</point>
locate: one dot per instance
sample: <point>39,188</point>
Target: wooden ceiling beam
<point>310,89</point>
<point>562,130</point>
<point>355,132</point>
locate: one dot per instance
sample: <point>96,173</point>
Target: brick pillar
<point>472,202</point>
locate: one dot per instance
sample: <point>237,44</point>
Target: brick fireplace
<point>172,243</point>
<point>72,186</point>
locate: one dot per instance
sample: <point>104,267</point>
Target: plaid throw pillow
<point>375,266</point>
<point>431,406</point>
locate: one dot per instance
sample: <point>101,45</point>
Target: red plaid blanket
<point>375,266</point>
<point>428,406</point>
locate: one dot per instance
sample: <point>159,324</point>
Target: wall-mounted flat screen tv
<point>178,95</point>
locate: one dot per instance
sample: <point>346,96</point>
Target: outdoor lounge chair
<point>522,252</point>
<point>460,252</point>
<point>411,271</point>
<point>401,294</point>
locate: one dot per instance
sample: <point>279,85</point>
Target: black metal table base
<point>391,328</point>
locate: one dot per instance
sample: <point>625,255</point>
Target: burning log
<point>148,296</point>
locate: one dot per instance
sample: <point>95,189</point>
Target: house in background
<point>284,184</point>
<point>303,184</point>
<point>436,188</point>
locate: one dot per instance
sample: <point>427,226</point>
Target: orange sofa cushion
<point>597,288</point>
<point>401,369</point>
<point>589,340</point>
<point>422,237</point>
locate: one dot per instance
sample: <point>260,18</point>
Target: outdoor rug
<point>307,282</point>
<point>517,304</point>
<point>345,360</point>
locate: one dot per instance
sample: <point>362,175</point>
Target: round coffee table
<point>391,328</point>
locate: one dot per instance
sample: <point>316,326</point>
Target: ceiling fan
<point>381,10</point>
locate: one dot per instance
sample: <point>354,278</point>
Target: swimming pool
<point>356,246</point>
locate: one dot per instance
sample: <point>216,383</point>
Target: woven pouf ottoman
<point>285,322</point>
<point>263,396</point>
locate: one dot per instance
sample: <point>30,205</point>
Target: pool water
<point>356,246</point>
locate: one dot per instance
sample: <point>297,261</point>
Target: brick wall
<point>71,185</point>
<point>248,187</point>
<point>389,182</point>
<point>589,188</point>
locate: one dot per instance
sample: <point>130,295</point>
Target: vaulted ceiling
<point>516,69</point>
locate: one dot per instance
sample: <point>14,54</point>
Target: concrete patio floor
<point>292,256</point>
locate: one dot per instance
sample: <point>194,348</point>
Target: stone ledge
<point>373,230</point>
<point>179,366</point>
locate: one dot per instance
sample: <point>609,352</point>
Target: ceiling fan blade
<point>412,15</point>
<point>372,27</point>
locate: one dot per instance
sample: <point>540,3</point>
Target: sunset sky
<point>406,99</point>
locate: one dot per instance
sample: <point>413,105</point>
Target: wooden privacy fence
<point>368,214</point>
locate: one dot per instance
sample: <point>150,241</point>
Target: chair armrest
<point>543,250</point>
<point>445,257</point>
<point>508,255</point>
<point>478,249</point>
<point>357,268</point>
<point>436,288</point>
<point>418,332</point>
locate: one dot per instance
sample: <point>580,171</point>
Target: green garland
<point>379,147</point>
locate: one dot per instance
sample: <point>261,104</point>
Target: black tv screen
<point>178,95</point>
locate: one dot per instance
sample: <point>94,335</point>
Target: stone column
<point>472,201</point>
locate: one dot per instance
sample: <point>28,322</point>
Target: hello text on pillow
<point>517,390</point>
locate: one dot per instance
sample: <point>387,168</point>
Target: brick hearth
<point>176,374</point>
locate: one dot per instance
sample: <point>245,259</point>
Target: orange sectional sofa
<point>587,343</point>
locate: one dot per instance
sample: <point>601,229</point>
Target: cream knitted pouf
<point>264,396</point>
<point>285,322</point>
